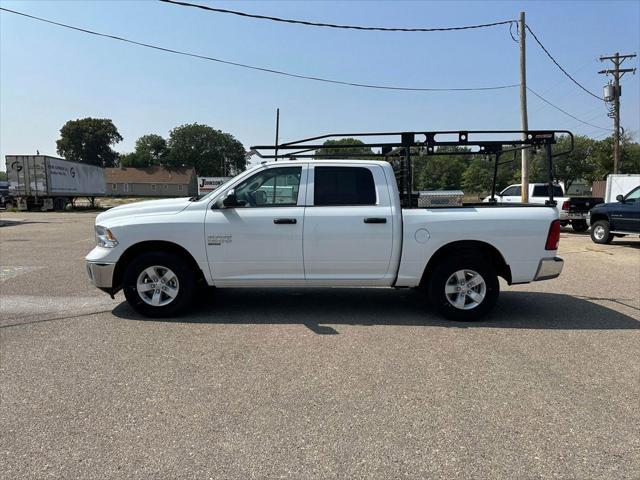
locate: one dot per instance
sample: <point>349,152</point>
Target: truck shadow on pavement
<point>13,223</point>
<point>625,243</point>
<point>317,308</point>
<point>616,242</point>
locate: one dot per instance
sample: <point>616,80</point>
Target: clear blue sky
<point>49,75</point>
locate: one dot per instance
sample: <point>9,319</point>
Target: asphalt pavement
<point>314,383</point>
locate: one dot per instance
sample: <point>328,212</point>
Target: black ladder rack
<point>485,142</point>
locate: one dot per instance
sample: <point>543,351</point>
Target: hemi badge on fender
<point>218,239</point>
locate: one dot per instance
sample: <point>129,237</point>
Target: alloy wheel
<point>157,286</point>
<point>465,289</point>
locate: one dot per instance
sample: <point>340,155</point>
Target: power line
<point>596,135</point>
<point>564,111</point>
<point>560,66</point>
<point>590,119</point>
<point>604,135</point>
<point>563,88</point>
<point>333,25</point>
<point>261,69</point>
<point>383,29</point>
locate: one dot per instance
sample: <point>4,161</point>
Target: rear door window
<point>334,186</point>
<point>543,191</point>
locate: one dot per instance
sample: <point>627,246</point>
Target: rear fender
<point>469,247</point>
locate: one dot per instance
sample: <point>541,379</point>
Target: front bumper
<point>101,274</point>
<point>549,268</point>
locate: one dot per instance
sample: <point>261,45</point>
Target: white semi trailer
<point>50,183</point>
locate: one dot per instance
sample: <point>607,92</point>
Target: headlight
<point>105,238</point>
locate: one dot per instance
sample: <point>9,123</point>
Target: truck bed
<point>479,205</point>
<point>583,204</point>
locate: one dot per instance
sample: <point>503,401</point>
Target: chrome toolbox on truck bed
<point>440,198</point>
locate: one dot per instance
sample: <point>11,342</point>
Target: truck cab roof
<point>381,163</point>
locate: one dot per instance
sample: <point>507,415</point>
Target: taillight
<point>553,239</point>
<point>565,205</point>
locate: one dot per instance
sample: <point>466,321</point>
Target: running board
<point>622,232</point>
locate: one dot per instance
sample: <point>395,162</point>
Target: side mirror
<point>620,198</point>
<point>261,197</point>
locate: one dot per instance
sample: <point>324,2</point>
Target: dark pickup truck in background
<point>616,219</point>
<point>575,210</point>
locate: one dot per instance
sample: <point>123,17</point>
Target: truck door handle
<point>284,221</point>
<point>375,220</point>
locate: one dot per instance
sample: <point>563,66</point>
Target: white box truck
<point>620,184</point>
<point>51,183</point>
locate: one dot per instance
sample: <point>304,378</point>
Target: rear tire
<point>158,284</point>
<point>579,225</point>
<point>463,288</point>
<point>601,232</point>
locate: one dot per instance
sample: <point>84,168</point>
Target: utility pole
<point>277,132</point>
<point>613,95</point>
<point>524,121</point>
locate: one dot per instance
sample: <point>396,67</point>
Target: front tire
<point>579,225</point>
<point>464,288</point>
<point>601,232</point>
<point>157,284</point>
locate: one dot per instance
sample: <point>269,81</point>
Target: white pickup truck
<point>320,223</point>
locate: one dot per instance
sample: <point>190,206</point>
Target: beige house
<point>156,181</point>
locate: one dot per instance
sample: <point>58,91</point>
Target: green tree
<point>579,163</point>
<point>340,152</point>
<point>150,150</point>
<point>440,172</point>
<point>631,158</point>
<point>478,177</point>
<point>210,151</point>
<point>89,140</point>
<point>130,160</point>
<point>3,176</point>
<point>603,157</point>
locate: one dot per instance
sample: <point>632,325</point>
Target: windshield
<point>633,195</point>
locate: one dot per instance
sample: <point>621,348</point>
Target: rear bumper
<point>549,268</point>
<point>565,215</point>
<point>101,274</point>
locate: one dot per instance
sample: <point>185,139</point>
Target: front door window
<point>275,187</point>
